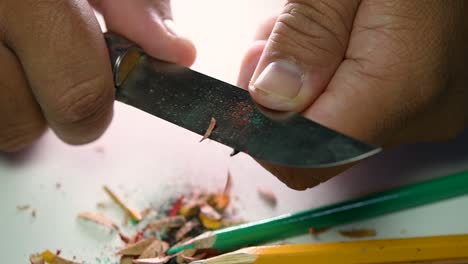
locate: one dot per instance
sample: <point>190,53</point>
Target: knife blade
<point>190,99</point>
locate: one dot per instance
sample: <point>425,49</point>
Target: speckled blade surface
<point>190,99</point>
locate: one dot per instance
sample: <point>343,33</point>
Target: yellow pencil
<point>451,249</point>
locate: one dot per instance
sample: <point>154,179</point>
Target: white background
<point>148,159</point>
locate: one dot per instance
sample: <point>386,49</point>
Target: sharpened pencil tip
<point>177,249</point>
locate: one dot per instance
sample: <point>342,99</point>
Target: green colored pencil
<point>289,225</point>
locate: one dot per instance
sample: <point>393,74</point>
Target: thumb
<point>306,46</point>
<point>150,25</point>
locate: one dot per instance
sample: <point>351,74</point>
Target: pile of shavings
<point>182,219</point>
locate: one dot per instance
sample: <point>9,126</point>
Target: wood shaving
<point>99,219</point>
<point>171,222</point>
<point>136,249</point>
<point>210,212</point>
<point>126,260</point>
<point>268,196</point>
<point>186,256</point>
<point>190,209</point>
<point>155,249</point>
<point>210,129</point>
<point>36,259</point>
<point>124,238</point>
<point>177,223</point>
<point>134,214</point>
<point>176,207</point>
<point>24,207</point>
<point>228,186</point>
<point>102,205</point>
<point>160,260</point>
<point>358,233</point>
<point>186,228</point>
<point>210,218</point>
<point>52,258</point>
<point>147,212</point>
<point>220,201</point>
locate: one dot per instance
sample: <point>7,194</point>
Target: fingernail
<point>171,27</point>
<point>281,80</point>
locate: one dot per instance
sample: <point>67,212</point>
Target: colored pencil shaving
<point>99,219</point>
<point>134,215</point>
<point>50,258</point>
<point>210,129</point>
<point>289,225</point>
<point>174,222</point>
<point>440,249</point>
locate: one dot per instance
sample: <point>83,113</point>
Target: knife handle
<point>124,56</point>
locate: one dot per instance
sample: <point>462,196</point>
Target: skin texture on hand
<point>55,65</point>
<point>387,72</point>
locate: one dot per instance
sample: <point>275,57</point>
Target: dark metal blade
<point>190,99</point>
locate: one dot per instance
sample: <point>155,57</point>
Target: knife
<point>190,100</point>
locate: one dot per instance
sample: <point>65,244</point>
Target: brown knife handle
<point>124,56</point>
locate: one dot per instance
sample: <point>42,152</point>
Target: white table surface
<point>148,160</point>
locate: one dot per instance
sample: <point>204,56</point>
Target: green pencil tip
<point>178,249</point>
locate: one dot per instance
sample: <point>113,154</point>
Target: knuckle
<point>18,136</point>
<point>319,27</point>
<point>83,102</point>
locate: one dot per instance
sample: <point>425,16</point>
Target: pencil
<point>449,249</point>
<point>289,225</point>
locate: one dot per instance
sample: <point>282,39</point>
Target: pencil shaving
<point>160,260</point>
<point>172,222</point>
<point>268,196</point>
<point>210,129</point>
<point>52,258</point>
<point>228,186</point>
<point>134,214</point>
<point>126,260</point>
<point>155,249</point>
<point>137,248</point>
<point>186,256</point>
<point>23,207</point>
<point>186,228</point>
<point>99,219</point>
<point>36,259</point>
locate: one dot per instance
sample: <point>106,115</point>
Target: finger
<point>149,24</point>
<point>306,46</point>
<point>66,62</point>
<point>249,63</point>
<point>387,77</point>
<point>264,30</point>
<point>21,121</point>
<point>253,54</point>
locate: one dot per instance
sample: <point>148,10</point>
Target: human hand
<point>387,72</point>
<point>55,65</point>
